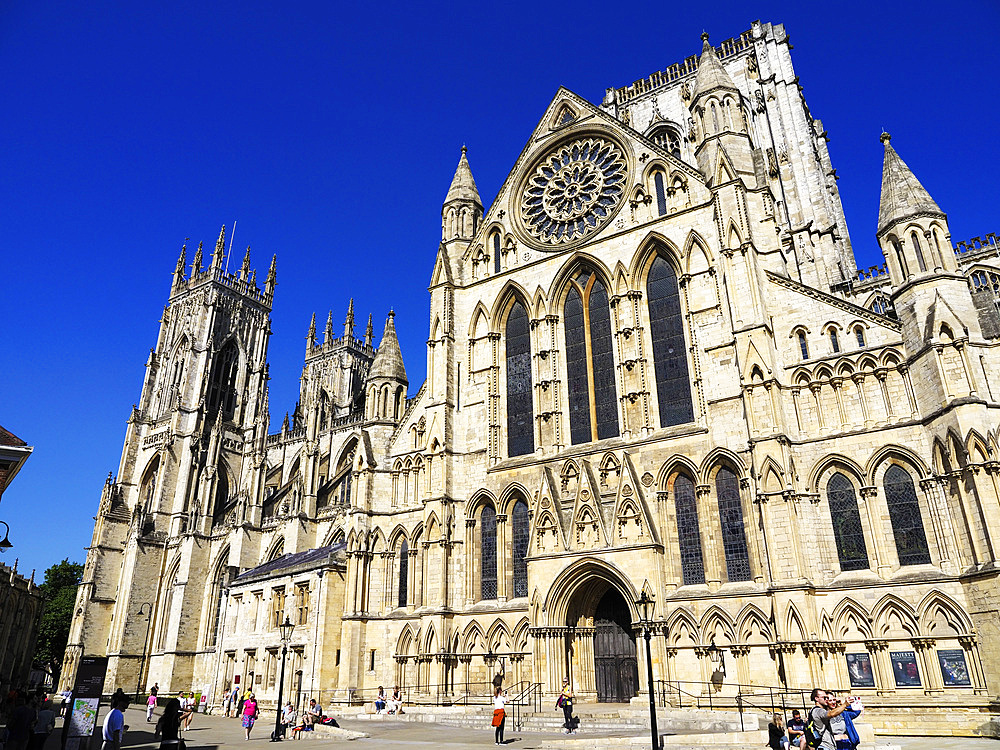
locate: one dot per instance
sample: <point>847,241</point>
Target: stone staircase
<point>602,725</point>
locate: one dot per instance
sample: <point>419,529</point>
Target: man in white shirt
<point>114,725</point>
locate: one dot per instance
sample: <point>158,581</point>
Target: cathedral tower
<point>202,411</point>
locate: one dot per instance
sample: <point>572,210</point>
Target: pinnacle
<point>711,75</point>
<point>463,186</point>
<point>902,194</point>
<point>388,362</point>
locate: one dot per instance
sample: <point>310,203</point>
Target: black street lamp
<point>646,605</point>
<point>5,542</point>
<point>145,645</point>
<point>717,656</point>
<point>286,636</point>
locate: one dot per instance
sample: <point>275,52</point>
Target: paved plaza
<point>209,732</point>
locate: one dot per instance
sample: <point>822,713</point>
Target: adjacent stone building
<point>652,366</point>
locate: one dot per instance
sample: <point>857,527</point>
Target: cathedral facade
<point>652,367</point>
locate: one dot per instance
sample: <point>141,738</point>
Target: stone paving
<point>209,732</point>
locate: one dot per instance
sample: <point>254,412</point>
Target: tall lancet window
<point>404,563</point>
<point>688,535</point>
<point>519,537</point>
<point>496,252</point>
<point>904,514</point>
<point>673,386</point>
<point>520,424</point>
<point>590,365</point>
<point>222,382</point>
<point>847,530</point>
<point>488,553</point>
<point>661,193</point>
<point>734,538</point>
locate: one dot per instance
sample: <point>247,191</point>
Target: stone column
<point>584,649</point>
<point>503,552</point>
<point>470,546</point>
<point>970,645</point>
<point>885,683</point>
<point>709,522</point>
<point>933,682</point>
<point>944,535</point>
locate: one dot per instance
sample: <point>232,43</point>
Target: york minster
<point>652,367</point>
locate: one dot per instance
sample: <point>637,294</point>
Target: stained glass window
<point>404,564</point>
<point>488,558</point>
<point>661,193</point>
<point>803,345</point>
<point>904,514</point>
<point>847,529</point>
<point>734,540</point>
<point>688,535</point>
<point>519,529</point>
<point>834,341</point>
<point>520,426</point>
<point>860,333</point>
<point>670,365</point>
<point>593,407</point>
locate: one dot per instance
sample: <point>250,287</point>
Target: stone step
<point>714,740</point>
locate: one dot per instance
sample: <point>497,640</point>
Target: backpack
<point>814,730</point>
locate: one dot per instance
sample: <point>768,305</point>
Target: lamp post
<point>145,645</point>
<point>717,656</point>
<point>286,636</point>
<point>5,542</point>
<point>646,604</point>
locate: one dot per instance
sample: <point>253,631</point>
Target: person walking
<point>45,722</point>
<point>150,705</point>
<point>499,713</point>
<point>114,723</point>
<point>565,702</point>
<point>233,705</point>
<point>168,728</point>
<point>250,713</point>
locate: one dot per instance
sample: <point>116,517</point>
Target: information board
<point>85,703</point>
<point>859,669</point>
<point>954,670</point>
<point>904,668</point>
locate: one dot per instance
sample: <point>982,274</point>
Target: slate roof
<point>9,438</point>
<point>309,558</point>
<point>902,194</point>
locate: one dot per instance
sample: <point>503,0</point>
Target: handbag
<point>560,701</point>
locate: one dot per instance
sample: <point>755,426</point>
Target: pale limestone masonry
<point>651,366</point>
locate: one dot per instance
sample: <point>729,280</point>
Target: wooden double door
<point>615,665</point>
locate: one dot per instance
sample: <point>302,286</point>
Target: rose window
<point>573,191</point>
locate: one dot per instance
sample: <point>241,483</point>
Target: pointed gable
<point>463,186</point>
<point>903,196</point>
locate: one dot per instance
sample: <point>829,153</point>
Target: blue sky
<point>330,132</point>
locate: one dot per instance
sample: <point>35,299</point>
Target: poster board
<point>904,668</point>
<point>85,703</point>
<point>859,670</point>
<point>954,670</point>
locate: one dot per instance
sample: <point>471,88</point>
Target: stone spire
<point>711,75</point>
<point>245,269</point>
<point>311,335</point>
<point>328,331</point>
<point>463,186</point>
<point>181,262</point>
<point>272,276</point>
<point>349,321</point>
<point>388,362</point>
<point>903,196</point>
<point>196,263</point>
<point>220,249</point>
<point>369,332</point>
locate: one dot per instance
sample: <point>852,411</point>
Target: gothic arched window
<point>590,366</point>
<point>520,425</point>
<point>222,382</point>
<point>217,597</point>
<point>900,257</point>
<point>734,540</point>
<point>670,365</point>
<point>519,546</point>
<point>661,193</point>
<point>404,563</point>
<point>223,502</point>
<point>847,530</point>
<point>496,252</point>
<point>834,341</point>
<point>688,535</point>
<point>488,553</point>
<point>803,345</point>
<point>904,514</point>
<point>860,333</point>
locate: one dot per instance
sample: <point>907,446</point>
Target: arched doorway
<point>615,666</point>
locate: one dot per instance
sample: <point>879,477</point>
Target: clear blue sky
<point>331,131</point>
